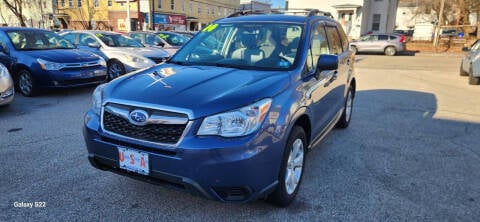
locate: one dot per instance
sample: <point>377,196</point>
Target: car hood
<point>148,52</point>
<point>62,55</point>
<point>203,90</point>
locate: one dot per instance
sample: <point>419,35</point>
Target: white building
<point>254,5</point>
<point>358,17</point>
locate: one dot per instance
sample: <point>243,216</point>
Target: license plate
<point>133,160</point>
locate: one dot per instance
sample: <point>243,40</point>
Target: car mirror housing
<point>465,49</point>
<point>3,49</point>
<point>94,45</point>
<point>327,62</point>
<point>160,44</point>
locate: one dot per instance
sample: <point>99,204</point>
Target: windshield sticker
<point>210,28</point>
<point>99,35</point>
<point>163,36</point>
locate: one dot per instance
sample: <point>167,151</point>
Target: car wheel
<point>115,69</point>
<point>462,73</point>
<point>390,51</point>
<point>354,49</point>
<point>291,170</point>
<point>472,80</point>
<point>26,84</point>
<point>347,110</point>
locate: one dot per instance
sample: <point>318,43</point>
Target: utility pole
<point>128,17</point>
<point>440,21</point>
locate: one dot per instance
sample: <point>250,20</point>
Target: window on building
<point>172,4</point>
<point>183,5</point>
<point>160,4</point>
<point>70,3</point>
<point>79,3</point>
<point>376,22</point>
<point>109,3</point>
<point>213,10</point>
<point>62,3</point>
<point>190,6</point>
<point>95,3</point>
<point>199,8</point>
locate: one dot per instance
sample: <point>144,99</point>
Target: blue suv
<point>232,114</point>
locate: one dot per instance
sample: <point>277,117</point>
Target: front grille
<point>68,82</point>
<point>159,60</point>
<point>157,133</point>
<point>73,68</point>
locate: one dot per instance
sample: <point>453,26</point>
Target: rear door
<point>382,42</point>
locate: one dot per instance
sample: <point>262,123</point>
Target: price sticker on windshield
<point>210,28</point>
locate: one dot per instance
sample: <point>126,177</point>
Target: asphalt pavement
<point>411,153</point>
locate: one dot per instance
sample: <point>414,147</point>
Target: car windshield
<point>118,40</point>
<point>38,40</point>
<point>265,46</point>
<point>173,38</point>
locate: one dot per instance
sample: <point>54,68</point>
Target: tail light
<point>402,38</point>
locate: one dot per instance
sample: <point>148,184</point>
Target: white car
<point>471,63</point>
<point>6,86</point>
<point>122,53</point>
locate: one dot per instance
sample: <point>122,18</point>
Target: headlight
<point>136,59</point>
<point>238,122</point>
<point>3,71</point>
<point>102,61</point>
<point>47,65</point>
<point>97,99</point>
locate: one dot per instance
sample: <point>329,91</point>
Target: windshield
<point>173,38</point>
<point>38,40</point>
<point>117,40</point>
<point>266,46</point>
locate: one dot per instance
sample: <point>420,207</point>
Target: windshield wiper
<point>178,62</point>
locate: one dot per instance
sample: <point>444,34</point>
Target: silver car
<point>471,63</point>
<point>389,44</point>
<point>122,53</point>
<point>6,86</point>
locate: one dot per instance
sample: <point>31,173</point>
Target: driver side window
<point>85,39</point>
<point>318,46</point>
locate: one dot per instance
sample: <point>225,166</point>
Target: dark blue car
<point>38,59</point>
<point>232,114</point>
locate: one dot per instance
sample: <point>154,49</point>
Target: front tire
<point>115,69</point>
<point>390,51</point>
<point>472,80</point>
<point>354,49</point>
<point>344,120</point>
<point>291,170</point>
<point>26,84</point>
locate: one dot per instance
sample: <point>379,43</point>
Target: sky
<point>278,3</point>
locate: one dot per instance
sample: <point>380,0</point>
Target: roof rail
<point>304,11</point>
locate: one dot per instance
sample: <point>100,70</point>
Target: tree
<point>16,7</point>
<point>456,12</point>
<point>86,13</point>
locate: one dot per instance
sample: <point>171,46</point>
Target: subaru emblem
<point>138,117</point>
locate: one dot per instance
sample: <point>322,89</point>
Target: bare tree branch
<point>16,8</point>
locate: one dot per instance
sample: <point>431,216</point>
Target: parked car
<point>389,44</point>
<point>38,59</point>
<point>7,90</point>
<point>470,65</point>
<point>152,39</point>
<point>234,122</point>
<point>122,53</point>
<point>173,39</point>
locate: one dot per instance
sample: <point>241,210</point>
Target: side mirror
<point>326,63</point>
<point>466,49</point>
<point>94,45</point>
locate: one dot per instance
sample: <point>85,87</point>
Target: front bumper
<point>72,78</point>
<point>6,97</point>
<point>238,170</point>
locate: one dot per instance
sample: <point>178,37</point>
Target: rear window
<point>392,37</point>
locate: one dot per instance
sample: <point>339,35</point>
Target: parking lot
<point>411,153</point>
